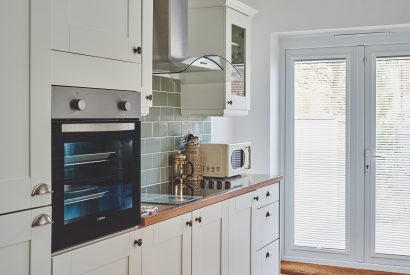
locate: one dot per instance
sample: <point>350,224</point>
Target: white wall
<point>262,125</point>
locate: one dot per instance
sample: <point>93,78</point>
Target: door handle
<point>41,189</point>
<point>41,220</point>
<point>367,162</point>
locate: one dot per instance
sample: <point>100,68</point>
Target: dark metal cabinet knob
<point>268,214</point>
<point>149,97</point>
<point>256,198</point>
<point>137,50</point>
<point>138,242</point>
<point>230,102</point>
<point>189,223</point>
<point>268,254</point>
<point>268,194</point>
<point>199,219</point>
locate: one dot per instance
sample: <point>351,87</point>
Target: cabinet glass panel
<point>238,60</point>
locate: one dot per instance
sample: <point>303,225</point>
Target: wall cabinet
<point>25,242</point>
<point>120,255</point>
<point>25,111</point>
<point>103,44</point>
<point>228,34</point>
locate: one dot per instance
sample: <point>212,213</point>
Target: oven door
<point>96,179</point>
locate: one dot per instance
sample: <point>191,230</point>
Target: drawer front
<point>268,260</point>
<point>269,194</point>
<point>266,226</point>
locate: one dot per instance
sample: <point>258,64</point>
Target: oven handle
<point>97,127</point>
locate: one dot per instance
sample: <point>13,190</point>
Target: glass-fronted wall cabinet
<point>220,28</point>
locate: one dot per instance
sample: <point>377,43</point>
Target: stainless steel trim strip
<point>97,127</point>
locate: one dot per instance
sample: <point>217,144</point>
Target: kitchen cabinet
<point>265,253</point>
<point>267,260</point>
<point>107,29</point>
<point>119,255</point>
<point>25,111</point>
<point>171,242</point>
<point>210,240</point>
<point>240,228</point>
<point>228,35</point>
<point>103,44</point>
<point>25,242</point>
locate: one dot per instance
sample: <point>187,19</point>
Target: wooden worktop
<point>249,183</point>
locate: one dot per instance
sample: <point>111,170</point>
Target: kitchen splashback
<point>161,133</point>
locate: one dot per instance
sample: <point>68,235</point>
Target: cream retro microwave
<point>226,160</point>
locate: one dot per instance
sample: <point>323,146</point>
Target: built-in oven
<point>96,163</point>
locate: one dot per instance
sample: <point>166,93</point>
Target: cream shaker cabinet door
<point>102,28</point>
<point>238,52</point>
<point>25,159</point>
<point>167,247</point>
<point>120,255</point>
<point>210,240</point>
<point>268,260</point>
<point>147,41</point>
<point>25,242</point>
<point>240,217</point>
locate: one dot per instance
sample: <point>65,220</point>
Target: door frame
<point>283,42</point>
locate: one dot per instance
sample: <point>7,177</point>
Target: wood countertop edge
<point>178,211</point>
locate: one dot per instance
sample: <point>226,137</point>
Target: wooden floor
<point>293,268</point>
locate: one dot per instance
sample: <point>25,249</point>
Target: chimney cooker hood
<point>170,47</point>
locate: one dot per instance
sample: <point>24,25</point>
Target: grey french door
<point>347,154</point>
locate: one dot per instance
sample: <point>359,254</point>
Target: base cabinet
<point>240,227</point>
<point>227,238</point>
<point>120,255</point>
<point>25,245</point>
<point>209,240</point>
<point>169,241</point>
<point>268,260</point>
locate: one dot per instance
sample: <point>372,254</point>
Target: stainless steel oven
<point>96,163</point>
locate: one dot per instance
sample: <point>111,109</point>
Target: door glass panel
<point>238,60</point>
<point>392,221</point>
<point>97,178</point>
<point>320,123</point>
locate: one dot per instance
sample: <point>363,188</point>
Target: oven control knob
<point>124,105</point>
<point>78,104</point>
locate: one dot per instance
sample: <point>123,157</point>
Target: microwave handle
<point>249,152</point>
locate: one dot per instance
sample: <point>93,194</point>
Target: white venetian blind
<point>393,145</point>
<point>320,154</point>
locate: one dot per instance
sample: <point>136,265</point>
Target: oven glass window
<point>97,178</point>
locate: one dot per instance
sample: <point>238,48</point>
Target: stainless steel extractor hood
<point>170,53</point>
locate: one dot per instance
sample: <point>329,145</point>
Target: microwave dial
<point>78,104</point>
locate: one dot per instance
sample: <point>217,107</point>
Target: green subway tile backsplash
<point>161,133</point>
